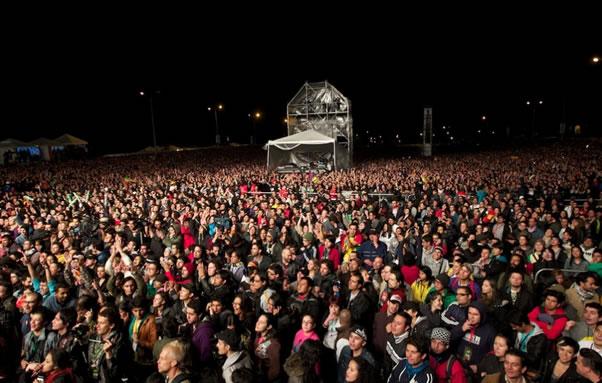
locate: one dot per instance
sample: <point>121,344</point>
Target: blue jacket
<point>405,373</point>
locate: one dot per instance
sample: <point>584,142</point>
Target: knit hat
<point>442,334</point>
<point>308,237</point>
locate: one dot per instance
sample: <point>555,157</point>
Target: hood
<point>482,310</point>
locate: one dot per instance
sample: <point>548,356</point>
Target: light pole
<point>254,117</point>
<point>534,106</point>
<point>152,113</point>
<point>215,109</point>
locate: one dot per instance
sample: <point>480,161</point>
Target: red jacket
<point>333,256</point>
<point>457,374</point>
<point>553,331</point>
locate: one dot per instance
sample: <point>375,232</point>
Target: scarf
<point>413,371</point>
<point>583,295</point>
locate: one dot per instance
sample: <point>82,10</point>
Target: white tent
<point>301,149</point>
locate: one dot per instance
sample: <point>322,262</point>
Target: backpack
<point>450,364</point>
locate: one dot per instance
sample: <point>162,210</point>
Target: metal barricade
<point>551,269</point>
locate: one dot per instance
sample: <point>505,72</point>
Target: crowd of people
<point>205,267</point>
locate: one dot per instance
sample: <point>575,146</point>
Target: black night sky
<point>86,80</point>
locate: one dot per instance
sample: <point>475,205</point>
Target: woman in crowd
<point>493,362</point>
<point>560,367</point>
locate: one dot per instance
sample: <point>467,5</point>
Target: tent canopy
<point>301,149</point>
<point>67,139</point>
<point>12,143</point>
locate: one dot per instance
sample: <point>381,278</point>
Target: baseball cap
<point>395,298</point>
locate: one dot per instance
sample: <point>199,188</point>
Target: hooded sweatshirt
<point>475,343</point>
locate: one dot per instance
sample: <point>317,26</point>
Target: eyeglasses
<point>462,294</point>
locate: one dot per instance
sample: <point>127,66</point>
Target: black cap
<point>229,337</point>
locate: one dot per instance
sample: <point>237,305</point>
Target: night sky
<point>86,81</point>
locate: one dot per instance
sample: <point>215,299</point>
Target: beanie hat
<point>442,334</point>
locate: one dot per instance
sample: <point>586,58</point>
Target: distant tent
<point>12,143</point>
<point>44,144</point>
<point>43,141</point>
<point>67,139</point>
<point>8,149</point>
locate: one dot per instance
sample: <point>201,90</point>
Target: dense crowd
<point>205,267</point>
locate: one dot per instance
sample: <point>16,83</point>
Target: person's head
<point>56,359</point>
<point>567,349</point>
<point>412,308</point>
<point>129,286</point>
<point>307,324</point>
<point>416,352</point>
<point>592,313</point>
<point>395,279</point>
<point>435,301</point>
<point>516,279</point>
<point>589,364</point>
<point>357,338</point>
<point>61,292</point>
<point>258,281</point>
<point>488,287</point>
<point>463,295</point>
<point>139,307</point>
<point>171,358</point>
<point>501,345</point>
<point>519,321</point>
<point>552,300</point>
<point>264,324</point>
<point>393,304</point>
<point>186,292</point>
<point>358,371</point>
<point>401,323</point>
<point>474,315</point>
<point>107,321</point>
<point>304,285</point>
<point>425,274</point>
<point>227,341</point>
<point>64,319</point>
<point>465,272</point>
<point>31,301</point>
<point>441,282</point>
<point>355,282</point>
<point>36,320</point>
<point>514,364</point>
<point>587,281</point>
<point>194,311</point>
<point>440,338</point>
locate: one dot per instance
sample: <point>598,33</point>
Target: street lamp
<point>254,117</point>
<point>215,109</point>
<point>534,105</point>
<point>152,112</point>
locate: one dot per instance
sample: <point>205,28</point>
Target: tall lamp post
<point>254,117</point>
<point>152,113</point>
<point>534,105</point>
<point>215,109</point>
